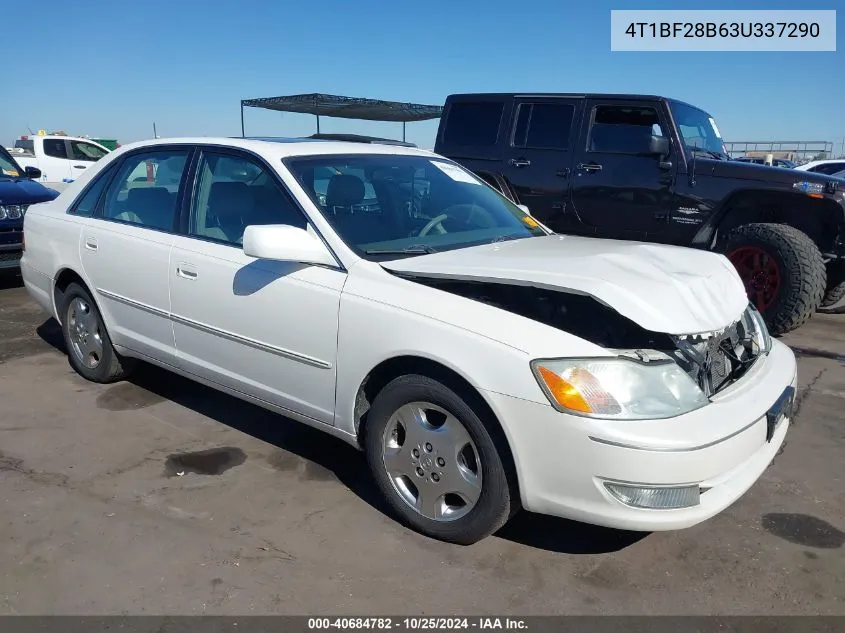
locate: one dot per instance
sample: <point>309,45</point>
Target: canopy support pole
<point>403,131</point>
<point>318,123</point>
<point>242,120</point>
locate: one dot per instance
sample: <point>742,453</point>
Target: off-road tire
<point>495,504</point>
<point>802,269</point>
<point>835,288</point>
<point>112,367</point>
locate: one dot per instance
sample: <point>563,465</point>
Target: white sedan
<point>389,297</point>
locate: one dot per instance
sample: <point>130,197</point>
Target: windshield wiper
<point>710,152</point>
<point>417,249</point>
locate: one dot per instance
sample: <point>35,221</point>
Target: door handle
<point>91,243</point>
<point>590,167</point>
<point>79,166</point>
<point>520,162</point>
<point>186,271</point>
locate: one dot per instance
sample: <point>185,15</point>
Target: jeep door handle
<point>90,244</point>
<point>590,167</point>
<point>520,162</point>
<point>79,166</point>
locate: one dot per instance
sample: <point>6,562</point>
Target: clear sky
<point>112,68</point>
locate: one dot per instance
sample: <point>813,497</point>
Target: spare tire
<point>782,269</point>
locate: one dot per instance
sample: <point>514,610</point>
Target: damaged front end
<point>713,360</point>
<point>717,359</point>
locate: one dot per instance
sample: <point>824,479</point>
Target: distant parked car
<point>18,190</point>
<point>827,167</point>
<point>482,362</point>
<point>61,159</point>
<point>776,162</point>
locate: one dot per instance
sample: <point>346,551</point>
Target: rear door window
<point>473,123</point>
<point>543,125</point>
<point>55,148</point>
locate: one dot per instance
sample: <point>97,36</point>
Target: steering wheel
<point>436,221</point>
<point>469,209</point>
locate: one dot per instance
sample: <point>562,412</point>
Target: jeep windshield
<point>386,206</point>
<point>698,130</point>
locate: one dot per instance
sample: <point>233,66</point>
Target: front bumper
<point>563,461</point>
<point>10,256</point>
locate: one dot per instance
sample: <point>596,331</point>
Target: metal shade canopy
<point>345,108</point>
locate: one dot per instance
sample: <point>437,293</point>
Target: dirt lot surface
<point>159,496</point>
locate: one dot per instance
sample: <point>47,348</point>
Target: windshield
<point>385,205</point>
<point>697,128</point>
<point>8,167</point>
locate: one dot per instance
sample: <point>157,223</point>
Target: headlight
<point>754,323</point>
<point>618,388</point>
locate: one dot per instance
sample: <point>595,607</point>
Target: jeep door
<point>538,157</point>
<point>618,186</point>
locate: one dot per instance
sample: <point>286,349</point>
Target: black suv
<point>654,169</point>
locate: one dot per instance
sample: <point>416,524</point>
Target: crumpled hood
<point>666,289</point>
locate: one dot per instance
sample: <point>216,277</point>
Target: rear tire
<point>835,289</point>
<point>418,463</point>
<point>783,272</point>
<point>88,345</point>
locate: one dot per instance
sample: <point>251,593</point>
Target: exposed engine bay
<point>713,361</point>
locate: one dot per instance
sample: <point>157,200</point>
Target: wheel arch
<point>64,278</point>
<point>389,369</point>
<point>819,218</point>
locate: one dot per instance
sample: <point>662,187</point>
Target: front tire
<point>88,345</point>
<point>435,462</point>
<point>783,272</point>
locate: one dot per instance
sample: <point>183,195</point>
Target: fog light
<point>655,497</point>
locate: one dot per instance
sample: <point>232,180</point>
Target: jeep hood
<point>665,289</point>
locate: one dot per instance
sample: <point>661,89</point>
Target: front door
<point>265,328</point>
<point>618,186</point>
<point>82,155</point>
<point>538,158</point>
<point>125,252</point>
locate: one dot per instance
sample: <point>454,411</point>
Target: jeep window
<point>698,130</point>
<point>385,206</point>
<point>543,125</point>
<point>623,129</point>
<point>473,123</point>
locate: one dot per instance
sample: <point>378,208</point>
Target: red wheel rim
<point>759,272</point>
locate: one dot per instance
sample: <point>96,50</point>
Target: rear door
<point>125,248</point>
<point>53,160</point>
<point>618,187</point>
<point>538,157</point>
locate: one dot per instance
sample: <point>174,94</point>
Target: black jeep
<point>654,169</point>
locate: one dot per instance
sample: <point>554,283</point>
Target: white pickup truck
<point>61,159</point>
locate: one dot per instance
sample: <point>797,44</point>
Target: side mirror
<point>524,208</point>
<point>284,243</point>
<point>658,146</point>
<point>33,173</point>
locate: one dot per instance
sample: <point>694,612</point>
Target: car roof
<point>281,147</point>
<point>826,161</point>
